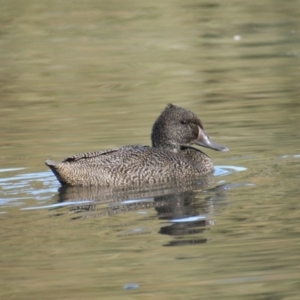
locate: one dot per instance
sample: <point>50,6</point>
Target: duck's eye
<point>183,122</point>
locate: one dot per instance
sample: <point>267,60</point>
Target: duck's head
<point>177,127</point>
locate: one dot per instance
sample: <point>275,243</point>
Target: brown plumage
<point>171,156</point>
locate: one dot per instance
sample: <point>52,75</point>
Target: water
<point>94,75</point>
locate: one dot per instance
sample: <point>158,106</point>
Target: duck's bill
<point>204,141</point>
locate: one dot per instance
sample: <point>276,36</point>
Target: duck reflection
<point>183,206</point>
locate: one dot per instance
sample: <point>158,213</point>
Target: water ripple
<point>17,188</point>
<point>56,205</point>
<point>226,170</point>
<point>189,219</point>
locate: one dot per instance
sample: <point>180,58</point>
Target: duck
<point>171,156</point>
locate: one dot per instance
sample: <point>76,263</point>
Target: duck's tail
<point>55,169</point>
<point>50,163</point>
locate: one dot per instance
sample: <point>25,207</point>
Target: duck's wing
<point>116,152</point>
<point>89,155</point>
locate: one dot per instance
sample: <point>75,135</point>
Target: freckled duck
<point>170,157</point>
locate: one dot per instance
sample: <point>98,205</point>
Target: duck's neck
<point>161,139</point>
<point>168,146</point>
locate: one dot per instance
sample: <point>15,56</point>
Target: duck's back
<point>129,165</point>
